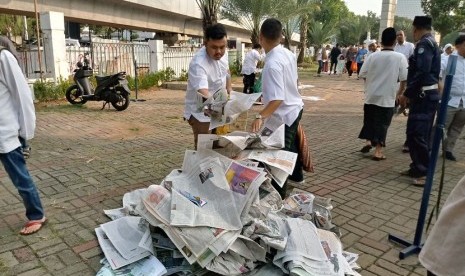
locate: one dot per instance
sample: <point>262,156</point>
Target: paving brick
<point>51,250</point>
<point>52,263</point>
<point>8,259</point>
<point>85,246</point>
<point>37,271</point>
<point>25,266</point>
<point>381,271</point>
<point>24,254</point>
<point>392,267</point>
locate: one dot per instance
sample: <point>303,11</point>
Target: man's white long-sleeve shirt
<point>457,90</point>
<point>17,113</point>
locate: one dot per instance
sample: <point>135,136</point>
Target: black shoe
<point>450,156</point>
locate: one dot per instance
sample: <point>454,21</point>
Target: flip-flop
<point>33,223</point>
<point>366,149</point>
<point>376,158</point>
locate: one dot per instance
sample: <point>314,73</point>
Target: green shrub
<point>183,76</point>
<point>47,91</point>
<point>145,81</point>
<point>235,68</point>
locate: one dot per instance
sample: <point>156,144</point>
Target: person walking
<point>281,97</point>
<point>334,55</point>
<point>381,71</point>
<point>423,96</point>
<point>250,67</point>
<point>447,51</point>
<point>17,120</point>
<point>208,73</point>
<point>403,46</point>
<point>350,58</point>
<point>360,58</point>
<point>455,118</point>
<point>406,48</point>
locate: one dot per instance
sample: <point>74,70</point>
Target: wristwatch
<point>258,116</point>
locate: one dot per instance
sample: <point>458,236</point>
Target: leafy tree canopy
<point>447,15</point>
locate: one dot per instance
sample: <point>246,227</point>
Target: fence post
<point>240,47</point>
<point>156,55</point>
<point>53,27</point>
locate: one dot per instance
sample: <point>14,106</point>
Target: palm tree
<point>209,9</point>
<point>249,14</point>
<point>319,34</point>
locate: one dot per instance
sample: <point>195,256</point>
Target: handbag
<point>353,66</point>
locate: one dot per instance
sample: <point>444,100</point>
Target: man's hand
<point>256,125</point>
<point>403,101</point>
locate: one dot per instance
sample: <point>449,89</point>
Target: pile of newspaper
<point>220,212</point>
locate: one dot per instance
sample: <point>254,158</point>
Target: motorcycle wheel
<point>123,101</point>
<point>73,95</point>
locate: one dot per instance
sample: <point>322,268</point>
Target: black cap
<point>422,22</point>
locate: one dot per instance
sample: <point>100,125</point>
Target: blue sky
<point>362,6</point>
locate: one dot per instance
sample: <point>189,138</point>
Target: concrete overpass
<point>172,16</point>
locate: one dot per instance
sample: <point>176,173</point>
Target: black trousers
<point>292,145</point>
<point>249,81</point>
<point>333,62</point>
<point>419,126</point>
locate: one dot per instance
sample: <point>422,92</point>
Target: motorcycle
<point>111,89</point>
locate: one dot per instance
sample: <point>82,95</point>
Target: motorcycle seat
<point>102,78</point>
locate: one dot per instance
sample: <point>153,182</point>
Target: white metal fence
<point>110,58</point>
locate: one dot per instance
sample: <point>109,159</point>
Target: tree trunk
<point>287,42</point>
<point>303,38</point>
<point>254,38</point>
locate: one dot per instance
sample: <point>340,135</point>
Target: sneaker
<point>450,156</point>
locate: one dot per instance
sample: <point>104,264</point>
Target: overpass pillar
<point>156,55</point>
<point>53,34</point>
<point>388,11</point>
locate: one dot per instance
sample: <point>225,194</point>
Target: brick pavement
<point>85,159</point>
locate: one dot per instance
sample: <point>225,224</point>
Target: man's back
<point>382,70</point>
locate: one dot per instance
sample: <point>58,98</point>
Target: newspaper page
<point>303,250</point>
<point>202,197</point>
<point>211,107</point>
<point>149,266</point>
<point>117,213</point>
<point>223,113</point>
<point>127,245</point>
<point>131,199</point>
<point>115,259</point>
<point>230,145</point>
<point>173,262</point>
<point>333,250</point>
<point>281,159</point>
<point>192,157</point>
<point>157,200</point>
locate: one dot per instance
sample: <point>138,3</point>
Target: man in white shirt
<point>17,119</point>
<point>280,93</point>
<point>208,73</point>
<point>455,119</point>
<point>381,70</point>
<point>404,47</point>
<point>249,67</point>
